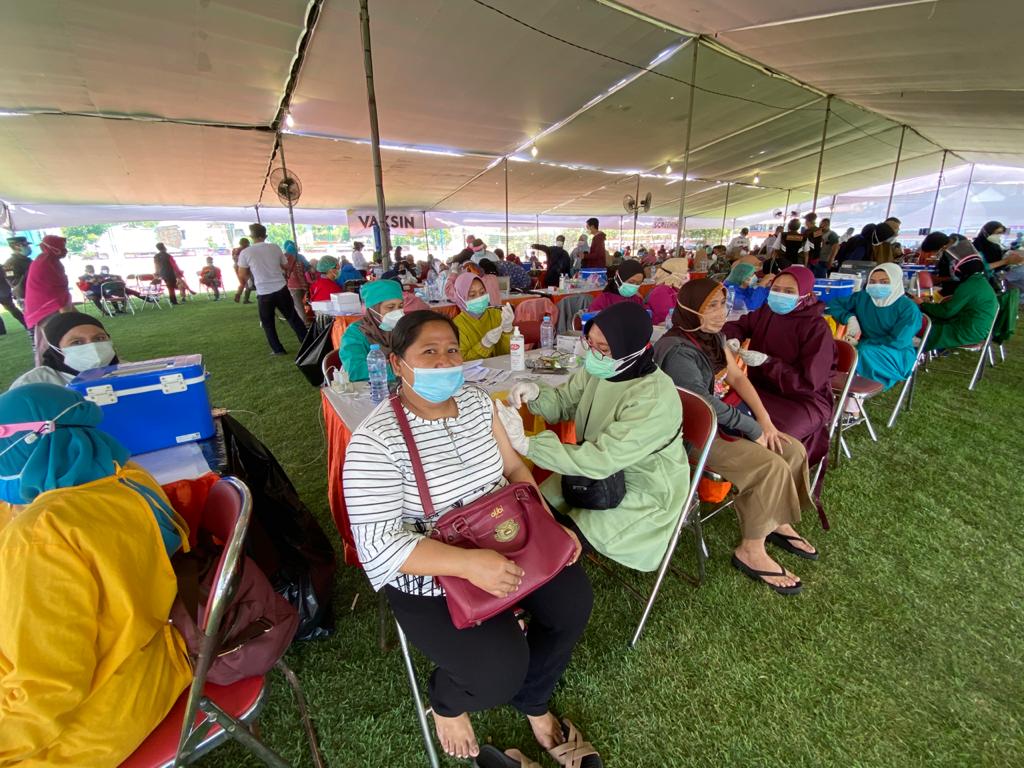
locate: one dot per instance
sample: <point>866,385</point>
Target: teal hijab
<point>76,452</point>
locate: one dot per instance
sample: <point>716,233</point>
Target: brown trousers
<point>772,489</point>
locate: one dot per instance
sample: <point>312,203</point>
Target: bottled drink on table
<point>377,365</point>
<point>547,333</point>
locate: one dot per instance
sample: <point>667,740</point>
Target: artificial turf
<point>906,647</point>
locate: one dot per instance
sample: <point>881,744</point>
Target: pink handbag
<point>512,521</point>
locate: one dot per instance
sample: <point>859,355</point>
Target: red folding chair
<point>207,715</point>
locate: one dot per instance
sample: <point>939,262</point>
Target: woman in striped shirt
<point>465,454</point>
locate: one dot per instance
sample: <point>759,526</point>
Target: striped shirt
<point>461,462</point>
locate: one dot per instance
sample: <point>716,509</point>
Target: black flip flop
<point>758,576</point>
<point>492,757</point>
<point>782,541</point>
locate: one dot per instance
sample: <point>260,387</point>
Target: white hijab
<point>895,273</point>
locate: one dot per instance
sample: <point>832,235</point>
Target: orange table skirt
<point>338,437</point>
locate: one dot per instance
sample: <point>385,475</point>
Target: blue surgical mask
<point>435,385</point>
<point>879,291</point>
<point>477,306</point>
<point>782,303</point>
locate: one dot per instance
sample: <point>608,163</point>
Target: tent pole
<point>371,102</point>
<point>426,235</point>
<point>967,196</point>
<point>507,246</point>
<point>686,150</point>
<point>725,210</point>
<point>895,171</point>
<point>536,216</point>
<point>821,152</point>
<point>785,213</point>
<point>832,207</point>
<point>938,186</point>
<point>258,221</point>
<point>284,167</point>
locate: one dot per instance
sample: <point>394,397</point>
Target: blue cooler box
<point>831,289</point>
<point>153,404</point>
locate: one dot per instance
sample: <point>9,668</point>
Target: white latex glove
<point>513,424</point>
<point>523,392</point>
<point>752,358</point>
<point>853,331</point>
<point>492,337</point>
<point>508,318</point>
<point>733,345</point>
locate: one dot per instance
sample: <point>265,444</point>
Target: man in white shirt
<point>739,245</point>
<point>358,259</point>
<point>266,263</point>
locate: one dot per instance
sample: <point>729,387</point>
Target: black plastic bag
<point>285,540</point>
<point>315,347</point>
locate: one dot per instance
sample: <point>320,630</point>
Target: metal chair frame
<point>910,383</point>
<point>108,301</point>
<point>689,515</point>
<point>152,290</point>
<point>331,362</point>
<point>197,739</point>
<point>833,428</point>
<point>985,352</point>
<point>417,698</point>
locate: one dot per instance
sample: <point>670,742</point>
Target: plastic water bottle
<point>547,334</point>
<point>377,365</point>
<point>730,297</point>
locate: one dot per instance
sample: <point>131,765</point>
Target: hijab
<point>289,247</point>
<point>462,285</point>
<point>671,272</point>
<point>986,247</point>
<point>54,246</point>
<point>694,297</point>
<point>628,329</point>
<point>54,329</point>
<point>895,273</point>
<point>75,453</point>
<point>626,270</point>
<point>966,267</point>
<point>805,284</point>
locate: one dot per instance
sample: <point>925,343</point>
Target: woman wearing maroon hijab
<point>793,372</point>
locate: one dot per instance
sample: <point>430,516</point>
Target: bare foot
<point>800,543</point>
<point>456,735</point>
<point>547,730</point>
<point>752,554</point>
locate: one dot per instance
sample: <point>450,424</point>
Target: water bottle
<point>377,365</point>
<point>547,334</point>
<point>730,297</point>
<point>668,319</point>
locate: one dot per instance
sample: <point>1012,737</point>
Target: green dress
<point>632,426</point>
<point>964,318</point>
<point>353,351</point>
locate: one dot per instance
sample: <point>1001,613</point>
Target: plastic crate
<point>831,289</point>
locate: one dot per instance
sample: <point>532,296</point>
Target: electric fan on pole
<point>289,189</point>
<point>634,206</point>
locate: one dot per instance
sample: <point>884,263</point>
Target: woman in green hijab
<point>383,300</point>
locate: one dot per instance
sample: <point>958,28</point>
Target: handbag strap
<point>414,456</point>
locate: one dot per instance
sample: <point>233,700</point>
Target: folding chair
<point>984,351</point>
<point>151,289</point>
<point>699,428</point>
<point>846,369</point>
<point>207,715</point>
<point>330,364</point>
<point>115,291</point>
<point>910,383</point>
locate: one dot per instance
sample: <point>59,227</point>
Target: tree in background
<point>81,238</point>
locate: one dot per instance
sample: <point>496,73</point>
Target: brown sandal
<point>575,752</point>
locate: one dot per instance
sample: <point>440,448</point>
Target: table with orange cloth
<point>342,412</point>
<point>342,322</point>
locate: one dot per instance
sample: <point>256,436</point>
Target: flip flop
<point>759,577</point>
<point>492,757</point>
<point>575,752</point>
<point>782,541</point>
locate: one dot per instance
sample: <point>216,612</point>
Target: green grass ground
<point>905,648</point>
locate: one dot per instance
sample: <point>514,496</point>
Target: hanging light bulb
<point>668,168</point>
<point>533,150</point>
<point>289,120</point>
<point>757,179</point>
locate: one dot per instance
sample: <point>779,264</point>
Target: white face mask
<point>390,320</point>
<point>85,357</point>
<point>996,239</point>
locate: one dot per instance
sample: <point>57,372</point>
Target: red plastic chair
<point>531,332</point>
<point>535,309</point>
<point>207,715</point>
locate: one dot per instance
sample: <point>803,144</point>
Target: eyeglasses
<point>588,346</point>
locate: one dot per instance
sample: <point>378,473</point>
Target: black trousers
<point>492,664</point>
<point>171,284</point>
<point>281,301</point>
<point>8,304</point>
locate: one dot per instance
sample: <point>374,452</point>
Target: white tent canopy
<point>175,104</point>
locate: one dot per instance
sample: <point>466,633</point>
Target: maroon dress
<point>794,383</point>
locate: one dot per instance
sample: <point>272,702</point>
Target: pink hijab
<point>453,292</point>
<point>804,282</point>
<point>46,287</point>
<point>462,285</point>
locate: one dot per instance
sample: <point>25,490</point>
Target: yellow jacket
<point>471,334</point>
<point>88,663</point>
